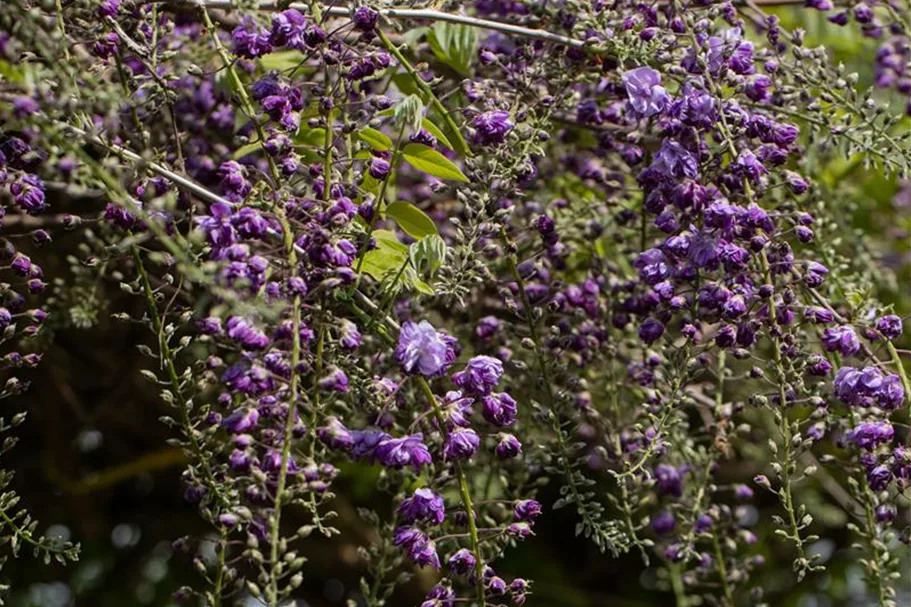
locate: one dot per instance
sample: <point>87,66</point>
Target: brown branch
<point>35,222</point>
<point>163,459</point>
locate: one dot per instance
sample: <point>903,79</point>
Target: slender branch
<point>423,15</point>
<point>125,154</point>
<point>220,571</point>
<point>677,585</point>
<point>785,426</point>
<point>167,360</point>
<point>34,222</point>
<point>722,572</point>
<point>399,13</point>
<point>157,460</point>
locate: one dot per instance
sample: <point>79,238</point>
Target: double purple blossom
<point>869,387</point>
<point>646,95</point>
<point>423,350</point>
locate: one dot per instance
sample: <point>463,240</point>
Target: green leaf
<point>411,219</point>
<point>388,240</point>
<point>225,84</point>
<point>387,260</point>
<point>306,136</point>
<point>375,139</point>
<point>413,36</point>
<point>423,287</point>
<point>436,132</point>
<point>246,150</point>
<point>284,61</point>
<point>454,44</point>
<point>432,162</point>
<point>377,263</point>
<point>11,73</point>
<point>369,184</point>
<point>405,83</point>
<point>389,255</point>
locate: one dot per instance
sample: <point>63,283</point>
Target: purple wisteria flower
<point>108,8</point>
<point>651,330</point>
<point>653,266</point>
<point>480,375</point>
<point>335,380</point>
<point>244,332</point>
<point>669,479</point>
<point>405,451</point>
<point>816,274</point>
<point>500,409</point>
<point>28,193</point>
<point>487,327</point>
<point>251,40</point>
<point>841,339</point>
<point>646,95</point>
<point>349,335</point>
<point>890,326</point>
<point>423,505</point>
<point>421,549</point>
<point>674,161</point>
<point>492,127</point>
<point>879,478</point>
<point>462,561</point>
<point>335,435</point>
<point>424,350</point>
<point>460,444</point>
<point>288,28</point>
<point>234,182</point>
<point>496,586</point>
<point>365,443</point>
<point>508,446</point>
<point>869,435</point>
<point>664,522</point>
<point>440,596</point>
<point>379,168</point>
<point>527,510</point>
<point>868,387</point>
<point>365,18</point>
<point>703,523</point>
<point>241,420</point>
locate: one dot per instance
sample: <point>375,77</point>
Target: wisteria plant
<point>478,248</point>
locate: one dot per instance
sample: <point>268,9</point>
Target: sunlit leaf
<point>430,161</point>
<point>411,219</point>
<point>375,139</point>
<point>436,132</point>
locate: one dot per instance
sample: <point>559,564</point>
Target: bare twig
<point>400,13</point>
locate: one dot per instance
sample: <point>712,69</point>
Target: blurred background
<point>92,463</point>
